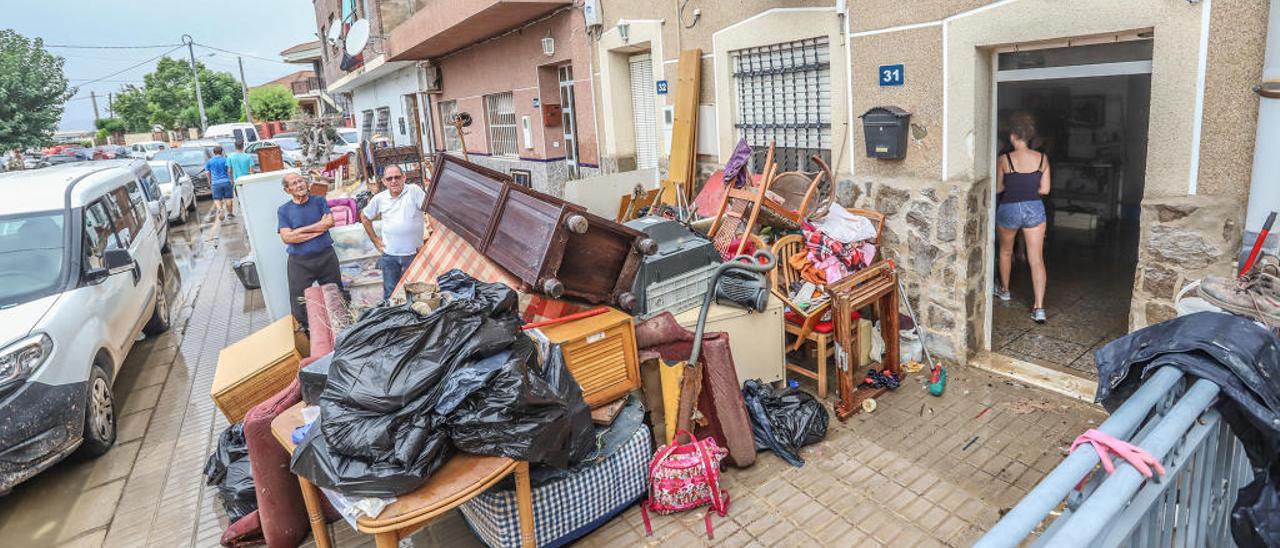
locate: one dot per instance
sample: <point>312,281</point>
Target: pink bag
<point>686,476</point>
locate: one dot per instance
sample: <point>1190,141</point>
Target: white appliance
<point>756,339</point>
<point>259,196</point>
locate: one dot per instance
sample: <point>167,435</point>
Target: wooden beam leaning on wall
<point>682,167</point>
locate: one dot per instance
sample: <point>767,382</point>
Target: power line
<point>99,79</point>
<point>206,46</point>
<point>68,46</point>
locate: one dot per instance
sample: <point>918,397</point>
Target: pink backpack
<point>686,476</point>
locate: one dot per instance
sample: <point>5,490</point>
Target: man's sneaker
<point>1038,315</point>
<point>1257,296</point>
<point>1003,294</point>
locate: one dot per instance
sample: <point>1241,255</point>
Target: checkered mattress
<point>566,509</point>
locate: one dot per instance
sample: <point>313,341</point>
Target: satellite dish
<point>357,37</point>
<point>334,36</point>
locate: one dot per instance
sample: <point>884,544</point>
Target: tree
<point>132,108</point>
<point>171,96</point>
<point>33,92</point>
<point>272,103</point>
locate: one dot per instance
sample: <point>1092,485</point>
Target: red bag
<point>686,476</point>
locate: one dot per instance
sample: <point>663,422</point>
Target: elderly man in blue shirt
<point>304,223</point>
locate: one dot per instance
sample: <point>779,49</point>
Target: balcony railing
<point>304,86</point>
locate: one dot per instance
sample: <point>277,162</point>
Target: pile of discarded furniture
<point>540,367</point>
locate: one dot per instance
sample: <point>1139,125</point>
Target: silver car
<point>176,187</point>
<point>81,275</point>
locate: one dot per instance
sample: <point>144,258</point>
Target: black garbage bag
<point>385,421</point>
<point>509,405</point>
<point>228,469</point>
<point>784,421</point>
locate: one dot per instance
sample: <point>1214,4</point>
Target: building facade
<point>1145,107</point>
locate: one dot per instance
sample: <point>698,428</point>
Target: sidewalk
<point>911,473</point>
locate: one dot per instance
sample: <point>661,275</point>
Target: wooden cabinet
<point>600,352</point>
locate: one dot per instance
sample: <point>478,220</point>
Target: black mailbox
<point>885,129</point>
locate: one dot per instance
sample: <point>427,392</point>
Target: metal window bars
<point>500,111</point>
<point>783,94</point>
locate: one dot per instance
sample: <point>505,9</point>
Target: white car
<point>238,131</point>
<point>350,142</point>
<point>146,150</point>
<point>81,275</point>
<point>176,187</point>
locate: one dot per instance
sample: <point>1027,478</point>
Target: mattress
<point>568,508</point>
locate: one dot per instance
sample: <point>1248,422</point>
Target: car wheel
<point>99,416</point>
<point>159,322</point>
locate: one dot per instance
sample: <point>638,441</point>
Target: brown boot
<point>1256,296</point>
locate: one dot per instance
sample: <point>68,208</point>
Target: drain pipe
<point>1264,188</point>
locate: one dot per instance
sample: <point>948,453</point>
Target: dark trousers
<point>393,267</point>
<point>304,270</point>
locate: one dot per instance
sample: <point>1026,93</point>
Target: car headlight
<point>20,359</point>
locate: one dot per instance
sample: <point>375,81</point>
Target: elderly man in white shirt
<point>400,207</point>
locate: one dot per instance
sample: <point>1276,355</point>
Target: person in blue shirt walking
<point>240,163</point>
<point>304,223</point>
<point>220,184</point>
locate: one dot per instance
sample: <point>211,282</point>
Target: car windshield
<point>187,157</point>
<point>163,174</point>
<point>31,256</point>
<point>351,137</point>
<point>286,143</point>
<point>152,146</point>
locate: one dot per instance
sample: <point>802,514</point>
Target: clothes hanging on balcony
<point>1243,358</point>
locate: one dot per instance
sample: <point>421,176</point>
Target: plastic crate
<point>678,294</point>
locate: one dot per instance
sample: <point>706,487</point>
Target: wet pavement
<point>919,471</point>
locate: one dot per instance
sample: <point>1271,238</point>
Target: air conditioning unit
<point>430,78</point>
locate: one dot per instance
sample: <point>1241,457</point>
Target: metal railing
<point>1188,506</point>
<point>304,86</point>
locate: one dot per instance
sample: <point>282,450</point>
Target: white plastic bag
<point>845,227</point>
<point>909,346</point>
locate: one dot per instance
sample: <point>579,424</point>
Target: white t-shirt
<point>402,221</point>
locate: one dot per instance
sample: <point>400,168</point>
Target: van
<point>241,131</point>
<point>84,276</point>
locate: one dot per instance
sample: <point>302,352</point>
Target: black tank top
<point>1021,187</point>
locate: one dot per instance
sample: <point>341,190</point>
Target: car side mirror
<point>117,261</point>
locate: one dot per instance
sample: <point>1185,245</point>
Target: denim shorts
<point>1020,214</point>
<point>221,191</point>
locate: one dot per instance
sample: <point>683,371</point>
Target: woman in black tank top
<point>1022,179</point>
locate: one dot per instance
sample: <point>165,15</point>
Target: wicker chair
<point>808,325</point>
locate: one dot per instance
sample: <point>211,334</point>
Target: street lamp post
<point>204,121</point>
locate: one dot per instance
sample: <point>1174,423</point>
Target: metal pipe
<point>1264,187</point>
<point>1110,498</point>
<point>1045,496</point>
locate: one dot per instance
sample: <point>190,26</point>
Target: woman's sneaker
<point>1003,294</point>
<point>1038,315</point>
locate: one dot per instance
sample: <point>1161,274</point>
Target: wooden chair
<point>810,327</point>
<point>739,211</point>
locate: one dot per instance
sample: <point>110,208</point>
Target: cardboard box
<point>256,368</point>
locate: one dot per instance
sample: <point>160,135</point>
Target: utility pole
<point>93,98</point>
<point>248,111</point>
<point>204,121</point>
<point>111,105</point>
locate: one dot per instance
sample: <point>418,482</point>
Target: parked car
<point>285,135</point>
<point>147,149</point>
<point>109,152</point>
<point>34,160</point>
<point>233,132</point>
<point>82,276</point>
<point>175,185</point>
<point>192,159</point>
<point>156,206</point>
<point>289,148</point>
<point>62,158</point>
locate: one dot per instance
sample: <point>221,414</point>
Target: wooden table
<point>460,479</point>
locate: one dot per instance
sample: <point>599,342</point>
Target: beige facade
<point>1205,58</point>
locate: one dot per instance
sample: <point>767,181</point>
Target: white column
<point>1264,189</point>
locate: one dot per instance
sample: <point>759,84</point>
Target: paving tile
<point>94,539</point>
<point>114,465</point>
<point>91,510</point>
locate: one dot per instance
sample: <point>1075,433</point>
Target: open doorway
<point>1090,105</point>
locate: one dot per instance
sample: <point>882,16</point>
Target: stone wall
<point>934,232</point>
<point>1183,239</point>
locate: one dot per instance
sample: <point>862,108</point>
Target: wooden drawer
<point>600,352</point>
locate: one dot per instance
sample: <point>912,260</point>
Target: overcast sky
<point>255,27</point>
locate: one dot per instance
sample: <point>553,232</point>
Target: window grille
<point>783,94</point>
<point>501,116</point>
<point>384,122</point>
<point>366,124</point>
<point>447,110</point>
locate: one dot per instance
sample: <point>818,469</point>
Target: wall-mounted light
<point>624,32</point>
<point>548,45</point>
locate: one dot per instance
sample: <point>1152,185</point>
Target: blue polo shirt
<point>295,215</point>
<point>241,163</point>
